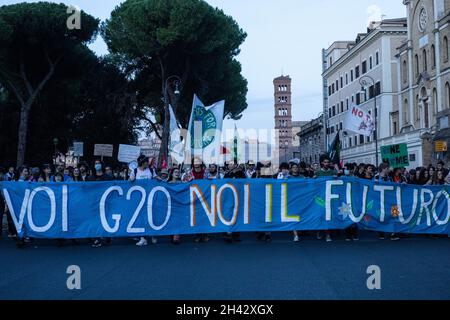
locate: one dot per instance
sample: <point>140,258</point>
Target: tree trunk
<point>23,131</point>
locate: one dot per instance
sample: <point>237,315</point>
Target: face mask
<point>98,167</point>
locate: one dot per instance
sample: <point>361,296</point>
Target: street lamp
<point>171,82</point>
<point>365,82</point>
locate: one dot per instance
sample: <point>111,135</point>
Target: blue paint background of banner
<point>305,198</point>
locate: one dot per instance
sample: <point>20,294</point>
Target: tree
<point>88,99</point>
<point>35,40</point>
<point>154,39</point>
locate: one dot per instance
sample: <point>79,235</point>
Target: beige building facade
<point>371,57</point>
<point>424,76</point>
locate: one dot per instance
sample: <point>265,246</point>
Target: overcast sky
<point>283,35</point>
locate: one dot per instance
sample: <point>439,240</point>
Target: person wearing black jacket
<point>99,175</point>
<point>233,172</point>
<point>4,209</point>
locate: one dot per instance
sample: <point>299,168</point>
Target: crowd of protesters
<point>146,169</point>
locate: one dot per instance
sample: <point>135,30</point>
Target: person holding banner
<point>4,210</point>
<point>175,177</point>
<point>325,171</point>
<point>234,172</point>
<point>143,172</point>
<point>99,175</point>
<point>213,172</point>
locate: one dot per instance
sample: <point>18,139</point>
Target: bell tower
<point>283,116</point>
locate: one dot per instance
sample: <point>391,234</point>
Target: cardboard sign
<point>78,148</point>
<point>396,155</point>
<point>128,153</point>
<point>103,150</point>
<point>441,146</point>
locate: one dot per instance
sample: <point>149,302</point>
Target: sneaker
<point>355,238</point>
<point>96,244</point>
<point>381,237</point>
<point>154,240</point>
<point>142,242</point>
<point>11,235</point>
<point>394,237</point>
<point>27,240</point>
<point>328,238</point>
<point>296,239</point>
<point>348,239</point>
<point>319,236</point>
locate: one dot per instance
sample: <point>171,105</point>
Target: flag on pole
<point>235,144</point>
<point>205,129</point>
<point>176,147</point>
<point>359,121</point>
<point>334,151</point>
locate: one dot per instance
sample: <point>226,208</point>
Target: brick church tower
<point>283,117</point>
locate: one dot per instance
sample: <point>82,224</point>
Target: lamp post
<point>171,82</point>
<point>365,82</point>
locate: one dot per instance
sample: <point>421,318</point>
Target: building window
<point>357,72</point>
<point>416,61</point>
<point>342,82</point>
<point>364,67</point>
<point>377,58</point>
<point>358,99</point>
<point>404,72</point>
<point>346,78</point>
<point>347,103</point>
<point>435,103</point>
<point>351,75</point>
<point>334,110</point>
<point>361,139</point>
<point>337,85</point>
<point>329,113</point>
<point>394,119</point>
<point>447,95</point>
<point>342,106</point>
<point>350,142</point>
<point>416,111</point>
<point>433,57</point>
<point>356,141</point>
<point>370,63</point>
<point>406,112</point>
<point>445,49</point>
<point>424,60</point>
<point>378,88</point>
<point>332,88</point>
<point>329,91</point>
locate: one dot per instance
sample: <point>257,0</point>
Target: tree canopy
<point>155,39</point>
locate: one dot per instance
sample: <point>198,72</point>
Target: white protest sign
<point>103,150</point>
<point>128,153</point>
<point>359,121</point>
<point>78,148</point>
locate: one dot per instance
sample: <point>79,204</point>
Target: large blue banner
<point>125,209</point>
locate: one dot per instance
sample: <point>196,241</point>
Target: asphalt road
<point>412,268</point>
